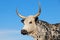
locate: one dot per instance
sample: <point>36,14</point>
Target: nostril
<point>24,32</point>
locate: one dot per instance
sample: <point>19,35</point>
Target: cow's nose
<point>24,32</point>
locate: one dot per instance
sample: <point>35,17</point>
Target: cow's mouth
<point>31,32</point>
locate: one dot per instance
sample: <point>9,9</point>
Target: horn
<point>20,14</point>
<point>39,11</point>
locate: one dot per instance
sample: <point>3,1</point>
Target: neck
<point>40,32</point>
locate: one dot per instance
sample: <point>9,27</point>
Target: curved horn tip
<point>39,11</point>
<point>20,14</point>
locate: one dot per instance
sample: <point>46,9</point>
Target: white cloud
<point>8,31</point>
<point>9,34</point>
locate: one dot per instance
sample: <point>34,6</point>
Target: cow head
<point>29,22</point>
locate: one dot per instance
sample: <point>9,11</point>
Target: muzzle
<point>24,32</point>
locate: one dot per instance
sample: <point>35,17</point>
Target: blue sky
<point>10,24</point>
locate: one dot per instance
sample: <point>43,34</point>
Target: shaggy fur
<point>47,31</point>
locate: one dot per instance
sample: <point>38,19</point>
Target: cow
<point>39,29</point>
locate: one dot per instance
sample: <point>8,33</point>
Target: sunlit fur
<point>41,30</point>
<point>29,26</point>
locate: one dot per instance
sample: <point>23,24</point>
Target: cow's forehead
<point>29,18</point>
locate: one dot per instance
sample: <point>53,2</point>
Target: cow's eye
<point>30,22</point>
<point>22,21</point>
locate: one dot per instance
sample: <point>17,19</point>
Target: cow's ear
<point>22,20</point>
<point>36,19</point>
